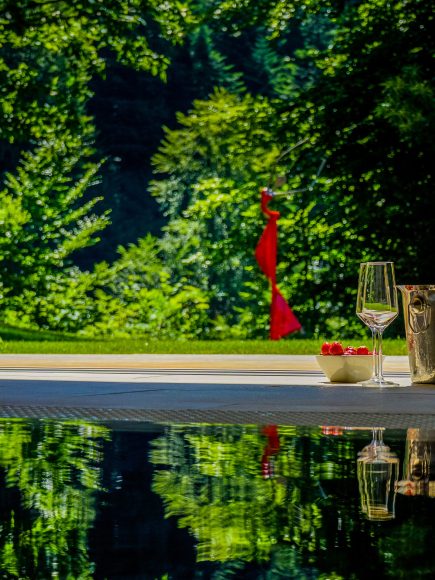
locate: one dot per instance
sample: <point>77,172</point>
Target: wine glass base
<point>379,384</point>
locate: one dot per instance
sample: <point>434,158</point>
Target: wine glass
<point>377,307</point>
<point>377,472</point>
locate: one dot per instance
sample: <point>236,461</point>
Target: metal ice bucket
<point>419,313</point>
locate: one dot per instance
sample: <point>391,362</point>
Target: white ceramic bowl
<point>350,368</point>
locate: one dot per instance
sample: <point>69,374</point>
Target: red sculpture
<point>282,319</point>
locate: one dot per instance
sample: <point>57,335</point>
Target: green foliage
<point>55,468</point>
<point>214,479</point>
<point>134,296</point>
<point>362,99</point>
<point>352,81</point>
<point>50,51</point>
<point>209,67</point>
<point>45,219</point>
<point>14,333</point>
<point>275,16</point>
<point>138,296</point>
<point>382,166</point>
<point>224,145</point>
<point>279,78</point>
<point>210,161</point>
<point>49,54</point>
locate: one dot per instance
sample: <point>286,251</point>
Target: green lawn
<point>124,346</point>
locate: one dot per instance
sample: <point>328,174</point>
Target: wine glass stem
<point>377,354</point>
<point>377,437</point>
<point>375,360</point>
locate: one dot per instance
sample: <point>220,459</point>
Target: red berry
<point>325,348</point>
<point>362,350</point>
<point>350,350</point>
<point>336,348</point>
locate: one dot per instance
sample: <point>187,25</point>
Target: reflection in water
<point>54,469</point>
<point>378,470</point>
<point>246,494</point>
<point>284,498</point>
<point>78,501</point>
<point>419,463</point>
<point>240,491</point>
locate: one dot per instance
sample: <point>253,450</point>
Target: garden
<point>135,138</point>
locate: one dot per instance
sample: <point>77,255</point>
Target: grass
<point>138,346</point>
<point>24,341</point>
<point>15,334</point>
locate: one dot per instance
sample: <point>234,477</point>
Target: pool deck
<point>210,388</point>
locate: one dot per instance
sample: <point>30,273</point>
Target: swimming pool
<point>133,500</point>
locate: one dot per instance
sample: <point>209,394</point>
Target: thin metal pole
<point>301,190</point>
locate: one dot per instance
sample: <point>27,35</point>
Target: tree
<point>210,195</point>
<point>364,103</point>
<point>211,479</point>
<point>137,295</point>
<point>50,51</point>
<point>44,219</point>
<point>227,149</point>
<point>49,54</point>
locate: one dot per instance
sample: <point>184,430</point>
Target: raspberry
<point>350,350</point>
<point>336,348</point>
<point>362,350</point>
<point>325,348</point>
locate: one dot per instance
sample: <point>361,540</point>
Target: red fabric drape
<point>272,448</point>
<point>282,319</point>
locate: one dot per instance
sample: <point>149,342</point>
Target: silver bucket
<point>419,313</point>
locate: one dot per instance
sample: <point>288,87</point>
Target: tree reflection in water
<point>271,502</point>
<point>280,508</point>
<point>216,481</point>
<point>51,472</point>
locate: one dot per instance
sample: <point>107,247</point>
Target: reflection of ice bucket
<point>419,313</point>
<point>418,464</point>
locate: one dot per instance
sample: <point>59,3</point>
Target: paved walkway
<point>217,388</point>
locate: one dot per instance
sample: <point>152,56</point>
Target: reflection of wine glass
<point>377,307</point>
<point>377,471</point>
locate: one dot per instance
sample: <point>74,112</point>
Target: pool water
<point>128,500</point>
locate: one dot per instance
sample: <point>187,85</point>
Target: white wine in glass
<point>377,307</point>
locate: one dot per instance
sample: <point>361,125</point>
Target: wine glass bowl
<point>377,307</point>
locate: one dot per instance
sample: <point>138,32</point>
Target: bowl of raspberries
<point>345,364</point>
